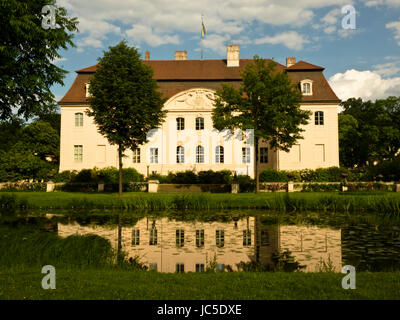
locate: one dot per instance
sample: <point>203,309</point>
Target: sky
<point>362,62</point>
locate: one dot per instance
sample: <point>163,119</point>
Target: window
<point>199,123</point>
<point>199,267</point>
<point>220,238</point>
<point>78,153</point>
<point>153,155</point>
<point>245,155</point>
<point>246,237</point>
<point>264,238</point>
<point>199,238</point>
<point>180,238</point>
<point>306,87</point>
<point>199,154</point>
<point>219,154</point>
<point>180,268</point>
<point>180,124</point>
<point>135,237</point>
<point>263,155</point>
<point>153,237</point>
<point>136,155</point>
<point>180,154</point>
<point>78,119</point>
<point>319,118</point>
<point>153,266</point>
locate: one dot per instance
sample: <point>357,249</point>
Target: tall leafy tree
<point>125,103</point>
<point>266,102</point>
<point>27,53</point>
<point>378,131</point>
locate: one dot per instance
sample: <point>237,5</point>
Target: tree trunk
<point>120,170</point>
<point>256,164</point>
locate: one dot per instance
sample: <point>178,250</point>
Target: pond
<point>234,241</point>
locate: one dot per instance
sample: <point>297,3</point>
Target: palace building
<point>187,139</point>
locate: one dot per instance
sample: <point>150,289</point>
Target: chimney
<point>147,55</point>
<point>181,55</point>
<point>290,61</point>
<point>232,55</point>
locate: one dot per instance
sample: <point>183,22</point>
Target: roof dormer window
<point>306,87</point>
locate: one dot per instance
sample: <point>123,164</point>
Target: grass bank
<point>383,202</point>
<point>142,285</point>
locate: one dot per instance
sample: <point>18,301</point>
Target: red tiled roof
<point>174,76</point>
<point>302,65</point>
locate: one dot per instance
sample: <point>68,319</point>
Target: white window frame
<point>180,154</point>
<point>136,155</point>
<point>180,123</point>
<point>319,118</point>
<point>199,123</point>
<point>79,119</point>
<point>78,153</point>
<point>199,154</point>
<point>219,154</point>
<point>303,84</point>
<point>153,155</point>
<point>220,238</point>
<point>245,155</point>
<point>135,237</point>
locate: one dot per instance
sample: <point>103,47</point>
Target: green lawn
<point>120,284</point>
<point>383,202</point>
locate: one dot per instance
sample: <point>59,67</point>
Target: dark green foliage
<point>125,102</point>
<point>266,102</point>
<point>24,150</point>
<point>190,177</point>
<point>369,131</point>
<point>273,175</point>
<point>27,52</point>
<point>321,187</point>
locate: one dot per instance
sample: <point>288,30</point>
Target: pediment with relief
<point>194,99</point>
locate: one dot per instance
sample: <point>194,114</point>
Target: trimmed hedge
<point>96,175</point>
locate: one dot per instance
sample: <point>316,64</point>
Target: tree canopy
<point>125,102</point>
<point>369,131</point>
<point>266,102</point>
<point>27,53</point>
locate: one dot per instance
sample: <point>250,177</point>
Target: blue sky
<point>364,62</point>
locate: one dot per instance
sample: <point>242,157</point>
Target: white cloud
<point>290,39</point>
<point>216,43</point>
<point>367,85</point>
<point>57,60</point>
<point>140,33</point>
<point>160,22</point>
<point>388,69</point>
<point>395,25</point>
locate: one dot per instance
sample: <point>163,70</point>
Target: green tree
<point>27,53</point>
<point>266,102</point>
<point>125,103</point>
<point>378,131</point>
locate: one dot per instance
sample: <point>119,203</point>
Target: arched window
<point>219,154</point>
<point>199,123</point>
<point>319,118</point>
<point>180,154</point>
<point>180,124</point>
<point>306,87</point>
<point>79,119</point>
<point>199,154</point>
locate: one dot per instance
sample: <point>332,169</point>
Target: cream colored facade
<point>319,148</point>
<point>309,245</point>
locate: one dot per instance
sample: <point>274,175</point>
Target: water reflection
<point>169,245</point>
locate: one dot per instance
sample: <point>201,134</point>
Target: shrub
<point>273,175</point>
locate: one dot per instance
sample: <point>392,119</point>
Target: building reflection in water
<point>176,246</point>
